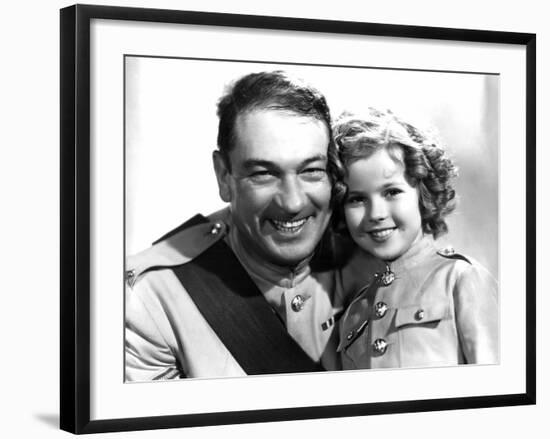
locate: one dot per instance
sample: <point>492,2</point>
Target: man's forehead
<point>279,136</point>
<point>266,115</point>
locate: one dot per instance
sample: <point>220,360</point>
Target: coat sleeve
<point>476,313</point>
<point>148,356</point>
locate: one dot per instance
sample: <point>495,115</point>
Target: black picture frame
<point>75,217</point>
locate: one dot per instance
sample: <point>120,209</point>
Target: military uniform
<point>168,337</point>
<point>427,308</point>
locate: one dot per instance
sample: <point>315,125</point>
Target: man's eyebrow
<point>251,163</point>
<point>316,158</point>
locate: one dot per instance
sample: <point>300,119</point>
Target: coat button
<point>387,277</point>
<point>297,304</point>
<point>130,275</point>
<point>420,314</point>
<point>350,335</point>
<point>380,345</point>
<point>380,309</point>
<point>216,228</point>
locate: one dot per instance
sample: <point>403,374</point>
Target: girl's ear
<point>223,176</point>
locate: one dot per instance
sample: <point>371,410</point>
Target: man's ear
<point>222,175</point>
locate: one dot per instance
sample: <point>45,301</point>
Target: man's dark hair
<point>271,91</point>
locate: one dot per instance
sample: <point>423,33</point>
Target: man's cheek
<point>321,197</point>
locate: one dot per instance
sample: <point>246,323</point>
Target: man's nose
<point>291,196</point>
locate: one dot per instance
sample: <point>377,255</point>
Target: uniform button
<point>216,228</point>
<point>130,274</point>
<point>350,335</point>
<point>420,314</point>
<point>387,277</point>
<point>380,309</point>
<point>297,304</point>
<point>380,345</point>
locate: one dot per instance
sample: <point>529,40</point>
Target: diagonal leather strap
<point>197,219</point>
<point>238,313</point>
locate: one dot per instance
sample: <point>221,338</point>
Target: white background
<point>30,204</point>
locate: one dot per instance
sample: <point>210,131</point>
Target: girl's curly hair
<point>426,165</point>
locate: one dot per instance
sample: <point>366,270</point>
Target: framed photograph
<point>275,218</point>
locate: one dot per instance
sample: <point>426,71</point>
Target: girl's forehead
<point>391,150</point>
<point>378,167</point>
<point>390,159</point>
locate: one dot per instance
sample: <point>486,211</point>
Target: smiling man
<point>277,183</point>
<point>235,293</point>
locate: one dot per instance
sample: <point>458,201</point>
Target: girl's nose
<point>378,211</point>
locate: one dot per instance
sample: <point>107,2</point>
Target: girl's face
<point>381,208</point>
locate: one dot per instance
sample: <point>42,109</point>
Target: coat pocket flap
<point>350,335</point>
<point>422,313</point>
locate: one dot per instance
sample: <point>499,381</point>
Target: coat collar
<point>415,255</point>
<point>284,277</point>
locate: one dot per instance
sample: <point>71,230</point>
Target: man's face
<point>278,186</point>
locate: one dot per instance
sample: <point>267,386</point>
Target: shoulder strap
<point>450,253</point>
<point>197,219</point>
<point>238,313</point>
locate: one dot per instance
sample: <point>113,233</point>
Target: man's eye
<point>314,173</point>
<point>261,176</point>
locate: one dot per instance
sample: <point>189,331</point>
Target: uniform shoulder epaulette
<point>450,253</point>
<point>182,245</point>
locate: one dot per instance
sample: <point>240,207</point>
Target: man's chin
<point>290,257</point>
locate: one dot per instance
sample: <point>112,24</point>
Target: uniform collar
<point>284,277</point>
<point>414,255</point>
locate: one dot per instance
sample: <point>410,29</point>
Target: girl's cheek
<point>353,219</point>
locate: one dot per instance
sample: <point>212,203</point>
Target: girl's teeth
<point>382,233</point>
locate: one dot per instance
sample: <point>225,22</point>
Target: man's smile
<point>288,226</point>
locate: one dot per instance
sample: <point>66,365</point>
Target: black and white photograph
<point>246,219</point>
<point>272,219</point>
<point>300,218</point>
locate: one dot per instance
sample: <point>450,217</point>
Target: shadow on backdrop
<point>49,419</point>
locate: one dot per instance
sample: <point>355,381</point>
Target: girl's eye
<point>391,193</point>
<point>355,199</point>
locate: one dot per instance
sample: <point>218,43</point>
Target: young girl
<point>415,305</point>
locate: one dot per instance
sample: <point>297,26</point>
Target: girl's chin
<point>386,255</point>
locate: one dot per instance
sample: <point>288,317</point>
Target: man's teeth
<point>288,226</point>
<point>381,234</point>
